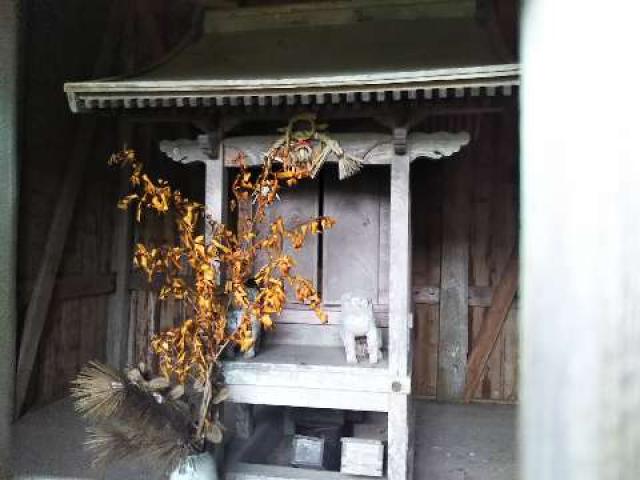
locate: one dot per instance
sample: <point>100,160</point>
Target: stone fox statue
<point>233,320</point>
<point>358,321</point>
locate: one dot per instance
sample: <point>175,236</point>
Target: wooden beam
<point>454,293</point>
<point>38,308</point>
<point>9,52</point>
<point>430,295</point>
<point>492,325</point>
<point>256,471</point>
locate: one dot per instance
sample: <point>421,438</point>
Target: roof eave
<point>439,83</point>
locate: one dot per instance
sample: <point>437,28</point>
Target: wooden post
<point>454,290</point>
<point>400,267</point>
<point>118,348</point>
<point>216,181</point>
<point>399,417</point>
<point>400,444</point>
<point>8,216</point>
<point>580,337</point>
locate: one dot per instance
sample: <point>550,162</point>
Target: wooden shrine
<point>303,363</point>
<point>378,88</point>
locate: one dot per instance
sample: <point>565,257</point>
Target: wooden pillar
<point>580,337</point>
<point>216,181</point>
<point>454,289</point>
<point>8,216</point>
<point>400,266</point>
<point>400,444</point>
<point>119,347</point>
<point>399,417</point>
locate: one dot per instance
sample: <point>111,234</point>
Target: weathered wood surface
<point>88,246</point>
<point>426,221</point>
<point>251,471</point>
<point>352,248</point>
<point>384,247</point>
<point>215,193</point>
<point>511,356</point>
<point>400,447</point>
<point>325,397</point>
<point>495,225</point>
<point>75,333</point>
<point>492,326</point>
<point>454,293</point>
<point>118,318</point>
<point>9,52</point>
<point>479,296</point>
<point>400,269</point>
<point>41,295</point>
<point>492,229</point>
<point>297,313</point>
<point>76,286</point>
<point>296,206</point>
<point>316,335</point>
<point>82,287</point>
<point>481,236</point>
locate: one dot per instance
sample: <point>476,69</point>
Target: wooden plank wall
<point>75,329</point>
<point>62,42</point>
<point>489,222</point>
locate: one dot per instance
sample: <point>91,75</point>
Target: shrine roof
<point>363,62</point>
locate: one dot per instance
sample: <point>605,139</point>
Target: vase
<point>197,467</point>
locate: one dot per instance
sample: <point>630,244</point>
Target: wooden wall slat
<point>426,180</point>
<point>68,355</point>
<point>490,339</point>
<point>504,235</point>
<point>482,234</point>
<point>493,228</point>
<point>88,248</point>
<point>510,356</point>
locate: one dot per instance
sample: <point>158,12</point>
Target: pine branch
<point>131,420</point>
<point>98,391</point>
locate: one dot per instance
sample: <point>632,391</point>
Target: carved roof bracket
<point>203,149</point>
<point>373,148</point>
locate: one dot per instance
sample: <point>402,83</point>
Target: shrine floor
<point>453,442</point>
